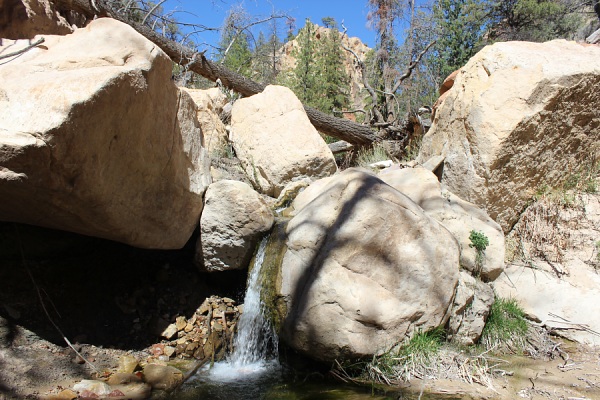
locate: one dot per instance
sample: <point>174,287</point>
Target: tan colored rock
<point>210,103</point>
<point>470,309</point>
<point>97,140</point>
<point>127,364</point>
<point>520,115</point>
<point>233,220</point>
<point>276,142</point>
<point>23,19</point>
<point>458,216</point>
<point>364,268</point>
<point>162,377</point>
<point>554,266</point>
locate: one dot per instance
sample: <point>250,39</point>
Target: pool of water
<point>271,381</point>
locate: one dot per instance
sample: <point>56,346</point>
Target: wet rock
<point>162,377</point>
<point>121,378</point>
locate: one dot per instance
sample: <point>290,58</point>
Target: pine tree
<point>460,28</point>
<point>234,46</point>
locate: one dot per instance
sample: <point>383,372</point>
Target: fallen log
<point>343,129</point>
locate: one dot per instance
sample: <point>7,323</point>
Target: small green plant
<point>480,242</point>
<point>506,327</point>
<point>368,156</point>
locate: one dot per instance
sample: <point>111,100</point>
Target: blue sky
<point>211,13</point>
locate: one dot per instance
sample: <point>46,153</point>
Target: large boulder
<point>232,222</point>
<point>519,115</point>
<point>363,268</point>
<point>275,141</point>
<point>23,19</point>
<point>96,139</point>
<point>458,216</point>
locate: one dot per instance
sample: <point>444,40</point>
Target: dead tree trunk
<point>356,134</point>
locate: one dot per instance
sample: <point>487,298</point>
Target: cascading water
<point>255,345</point>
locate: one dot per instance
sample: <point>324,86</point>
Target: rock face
<point>276,142</point>
<point>470,309</point>
<point>363,269</point>
<point>23,19</point>
<point>96,139</point>
<point>553,273</point>
<point>233,219</point>
<point>458,216</point>
<point>520,115</point>
<point>210,104</point>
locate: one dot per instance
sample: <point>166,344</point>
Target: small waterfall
<point>255,345</point>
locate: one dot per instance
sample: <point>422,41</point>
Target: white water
<point>255,345</point>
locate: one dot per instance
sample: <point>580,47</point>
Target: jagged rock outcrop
<point>458,216</point>
<point>23,19</point>
<point>233,219</point>
<point>276,142</point>
<point>520,115</point>
<point>96,139</point>
<point>364,267</point>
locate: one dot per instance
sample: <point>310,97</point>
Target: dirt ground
<point>574,375</point>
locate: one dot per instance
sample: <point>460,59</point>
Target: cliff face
<point>288,62</point>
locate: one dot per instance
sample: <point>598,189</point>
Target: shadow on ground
<point>97,291</point>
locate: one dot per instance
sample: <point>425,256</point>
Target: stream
<point>253,370</point>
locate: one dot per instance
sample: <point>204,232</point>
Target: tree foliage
<point>319,78</point>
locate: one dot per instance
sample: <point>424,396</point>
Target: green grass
<point>506,327</point>
<point>368,156</point>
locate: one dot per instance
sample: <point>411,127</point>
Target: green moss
<point>271,271</point>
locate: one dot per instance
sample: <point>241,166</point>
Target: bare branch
<point>363,70</point>
<point>412,66</point>
<point>152,10</point>
<point>23,50</point>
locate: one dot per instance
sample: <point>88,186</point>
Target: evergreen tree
<point>234,47</point>
<point>460,28</point>
<point>320,79</point>
<point>533,20</point>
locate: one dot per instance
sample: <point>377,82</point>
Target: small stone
<point>170,331</point>
<point>180,348</point>
<point>180,323</point>
<point>157,349</point>
<point>127,364</point>
<point>181,340</point>
<point>169,351</point>
<point>188,328</point>
<point>116,393</point>
<point>228,300</point>
<point>204,308</point>
<point>97,388</point>
<point>218,327</point>
<point>240,308</point>
<point>199,353</point>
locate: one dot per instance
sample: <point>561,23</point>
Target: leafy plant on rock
<point>480,242</point>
